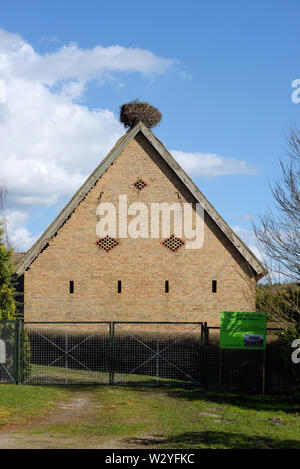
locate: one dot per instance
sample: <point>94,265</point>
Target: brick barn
<point>70,274</point>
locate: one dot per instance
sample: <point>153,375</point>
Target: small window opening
<point>119,286</point>
<point>167,286</point>
<point>71,286</point>
<point>214,286</point>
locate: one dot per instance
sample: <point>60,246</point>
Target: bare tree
<point>278,233</point>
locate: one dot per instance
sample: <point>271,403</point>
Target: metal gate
<point>158,353</point>
<point>148,353</point>
<point>66,353</point>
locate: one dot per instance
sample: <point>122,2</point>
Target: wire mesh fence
<point>66,353</point>
<point>115,353</point>
<point>253,371</point>
<point>158,353</point>
<point>8,351</point>
<point>278,378</point>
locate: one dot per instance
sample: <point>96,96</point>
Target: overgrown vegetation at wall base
<point>286,339</point>
<point>7,291</point>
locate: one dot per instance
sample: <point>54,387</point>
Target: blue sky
<point>219,71</point>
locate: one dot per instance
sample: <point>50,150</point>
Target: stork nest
<point>132,113</point>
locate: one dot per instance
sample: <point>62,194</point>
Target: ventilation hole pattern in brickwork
<point>140,184</point>
<point>107,243</point>
<point>173,243</point>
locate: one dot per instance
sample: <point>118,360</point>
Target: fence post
<point>16,352</point>
<point>111,352</point>
<point>220,368</point>
<point>202,356</point>
<point>66,355</point>
<point>264,372</point>
<point>21,369</point>
<point>206,345</point>
<point>19,351</point>
<point>203,339</point>
<point>156,358</point>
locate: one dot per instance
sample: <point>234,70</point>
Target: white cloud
<point>70,62</point>
<point>16,227</point>
<point>211,165</point>
<point>49,142</point>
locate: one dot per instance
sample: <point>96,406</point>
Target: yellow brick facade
<point>142,265</point>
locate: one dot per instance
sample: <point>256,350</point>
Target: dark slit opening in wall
<point>119,286</point>
<point>167,286</point>
<point>214,286</point>
<point>71,286</point>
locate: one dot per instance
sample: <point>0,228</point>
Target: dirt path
<point>80,409</point>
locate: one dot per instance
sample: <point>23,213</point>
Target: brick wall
<point>143,265</point>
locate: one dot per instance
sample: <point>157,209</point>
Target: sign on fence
<point>242,330</point>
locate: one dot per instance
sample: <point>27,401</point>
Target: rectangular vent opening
<point>71,286</point>
<point>119,286</point>
<point>214,286</point>
<point>167,286</point>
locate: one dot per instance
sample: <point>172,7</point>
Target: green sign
<point>242,330</point>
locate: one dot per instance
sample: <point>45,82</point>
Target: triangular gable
<point>104,165</point>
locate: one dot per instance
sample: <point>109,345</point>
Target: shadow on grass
<point>216,439</point>
<point>288,404</point>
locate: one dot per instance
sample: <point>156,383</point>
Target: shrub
<point>285,339</point>
<point>7,291</point>
<point>279,302</point>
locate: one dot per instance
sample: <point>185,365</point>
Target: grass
<point>18,403</point>
<point>161,417</point>
<point>40,374</point>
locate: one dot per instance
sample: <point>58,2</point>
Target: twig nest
<point>132,113</point>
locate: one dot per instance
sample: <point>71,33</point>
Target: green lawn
<point>155,417</point>
<point>41,374</point>
<point>18,403</point>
